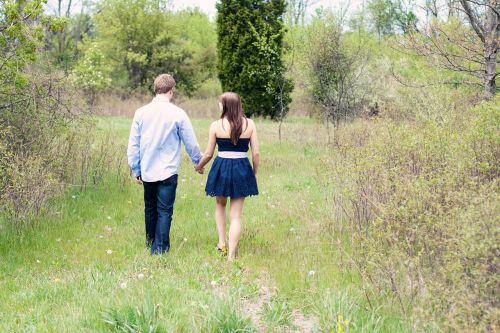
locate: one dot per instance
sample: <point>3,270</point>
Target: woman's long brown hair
<point>233,111</point>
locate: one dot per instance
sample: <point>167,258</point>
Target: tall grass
<point>391,228</point>
<point>58,275</point>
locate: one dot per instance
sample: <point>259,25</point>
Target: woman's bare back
<point>223,128</point>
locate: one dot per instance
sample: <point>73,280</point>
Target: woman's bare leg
<point>220,220</point>
<point>235,227</point>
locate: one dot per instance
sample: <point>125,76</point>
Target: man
<point>154,152</point>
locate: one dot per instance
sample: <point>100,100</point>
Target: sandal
<point>222,250</point>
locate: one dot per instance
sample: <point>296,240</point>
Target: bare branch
<point>474,21</point>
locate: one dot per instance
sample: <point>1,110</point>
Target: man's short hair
<point>163,83</point>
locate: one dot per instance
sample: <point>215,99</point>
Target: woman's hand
<point>199,169</point>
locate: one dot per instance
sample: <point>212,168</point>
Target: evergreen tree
<point>250,48</point>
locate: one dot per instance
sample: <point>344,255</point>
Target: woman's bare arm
<point>254,144</point>
<point>209,152</point>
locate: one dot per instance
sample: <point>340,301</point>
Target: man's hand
<point>138,180</point>
<point>199,170</point>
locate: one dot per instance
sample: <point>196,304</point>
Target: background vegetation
<point>379,191</point>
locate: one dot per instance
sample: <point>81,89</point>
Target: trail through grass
<point>84,266</point>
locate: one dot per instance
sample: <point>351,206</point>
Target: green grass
<point>58,275</point>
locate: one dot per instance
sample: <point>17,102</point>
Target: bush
<point>417,205</point>
<point>46,138</point>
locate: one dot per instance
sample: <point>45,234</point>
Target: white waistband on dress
<point>232,154</point>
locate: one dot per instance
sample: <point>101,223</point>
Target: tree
<point>469,50</point>
<point>297,9</point>
<point>139,39</point>
<point>337,67</point>
<point>250,49</point>
<point>390,16</point>
<point>91,74</point>
<point>484,18</point>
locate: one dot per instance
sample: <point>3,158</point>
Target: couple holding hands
<point>154,152</point>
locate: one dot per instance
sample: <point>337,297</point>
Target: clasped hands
<point>199,169</point>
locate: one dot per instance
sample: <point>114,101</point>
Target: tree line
<point>121,44</point>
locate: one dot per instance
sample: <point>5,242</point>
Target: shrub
<point>417,206</point>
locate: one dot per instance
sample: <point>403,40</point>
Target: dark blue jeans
<point>159,198</point>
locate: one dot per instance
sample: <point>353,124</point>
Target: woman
<point>231,174</point>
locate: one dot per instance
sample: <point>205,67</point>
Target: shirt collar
<point>160,98</point>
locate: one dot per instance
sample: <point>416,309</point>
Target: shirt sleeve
<point>133,150</point>
<point>188,138</point>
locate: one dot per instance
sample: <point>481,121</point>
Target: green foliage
<point>64,37</point>
<point>419,204</point>
<point>44,128</point>
<point>141,39</point>
<point>227,319</point>
<point>337,68</point>
<point>390,16</point>
<point>277,312</point>
<point>250,49</point>
<point>341,312</point>
<point>134,319</point>
<point>20,35</point>
<point>200,39</point>
<point>92,73</point>
<point>26,108</point>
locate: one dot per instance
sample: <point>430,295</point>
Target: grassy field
<point>84,266</point>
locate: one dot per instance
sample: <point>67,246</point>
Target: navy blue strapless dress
<point>231,174</point>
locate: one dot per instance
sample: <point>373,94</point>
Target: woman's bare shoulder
<point>214,125</point>
<point>251,123</point>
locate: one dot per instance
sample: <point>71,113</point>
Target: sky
<point>207,6</point>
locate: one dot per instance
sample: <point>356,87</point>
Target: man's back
<point>154,148</point>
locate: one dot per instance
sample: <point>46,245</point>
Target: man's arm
<point>133,150</point>
<point>188,138</point>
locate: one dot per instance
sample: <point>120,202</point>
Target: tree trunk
<point>452,9</point>
<point>491,44</point>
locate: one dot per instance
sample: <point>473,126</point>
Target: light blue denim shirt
<point>154,146</point>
